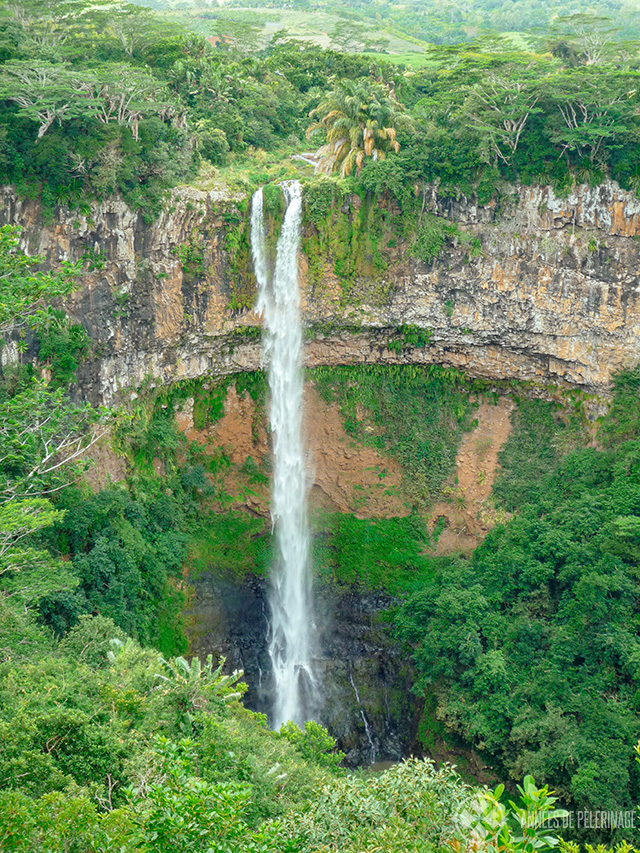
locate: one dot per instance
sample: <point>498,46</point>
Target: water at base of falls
<point>291,630</point>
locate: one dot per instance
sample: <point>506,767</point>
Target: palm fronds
<point>360,119</point>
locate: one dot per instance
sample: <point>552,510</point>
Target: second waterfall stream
<point>291,633</point>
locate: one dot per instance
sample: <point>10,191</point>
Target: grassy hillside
<point>410,23</point>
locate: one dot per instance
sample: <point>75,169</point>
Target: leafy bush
<point>516,828</point>
<point>530,645</point>
<point>431,237</point>
<point>61,345</point>
<point>313,742</point>
<point>214,145</point>
<point>411,807</point>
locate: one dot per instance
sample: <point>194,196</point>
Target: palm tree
<point>361,119</point>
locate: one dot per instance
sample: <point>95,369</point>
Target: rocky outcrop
<point>366,679</point>
<point>549,294</point>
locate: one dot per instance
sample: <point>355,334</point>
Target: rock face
<point>366,680</point>
<point>551,296</point>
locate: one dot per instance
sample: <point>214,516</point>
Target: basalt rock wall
<point>550,295</point>
<point>366,678</point>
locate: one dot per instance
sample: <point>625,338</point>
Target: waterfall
<point>367,729</point>
<point>291,628</point>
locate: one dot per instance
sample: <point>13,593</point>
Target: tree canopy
<point>360,120</point>
<point>531,646</point>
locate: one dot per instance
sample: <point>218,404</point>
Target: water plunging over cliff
<point>291,633</point>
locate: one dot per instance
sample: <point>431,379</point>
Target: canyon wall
<point>550,294</point>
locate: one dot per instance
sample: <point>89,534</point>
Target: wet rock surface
<point>364,677</point>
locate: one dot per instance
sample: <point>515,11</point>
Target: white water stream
<point>291,630</point>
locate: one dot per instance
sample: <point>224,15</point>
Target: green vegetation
<point>335,236</point>
<point>354,237</point>
<point>478,114</point>
<point>382,555</point>
<point>359,120</point>
<point>521,834</point>
<point>109,746</point>
<point>391,28</point>
<point>558,578</point>
<point>70,131</point>
<point>349,245</point>
<point>409,337</point>
<point>25,290</point>
<point>527,650</point>
<point>543,434</point>
<point>485,113</point>
<point>418,415</point>
<point>107,743</point>
<point>531,644</point>
<point>231,543</point>
<point>126,546</point>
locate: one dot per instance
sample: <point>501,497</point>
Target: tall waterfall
<point>291,630</point>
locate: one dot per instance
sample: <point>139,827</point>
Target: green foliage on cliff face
<point>25,290</point>
<point>431,237</point>
<point>531,645</point>
<point>126,545</point>
<point>348,243</point>
<point>231,544</point>
<point>382,555</point>
<point>62,345</point>
<point>418,414</point>
<point>123,547</point>
<point>543,433</point>
<point>622,422</point>
<point>357,228</point>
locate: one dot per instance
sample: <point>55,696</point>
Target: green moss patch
<point>418,414</point>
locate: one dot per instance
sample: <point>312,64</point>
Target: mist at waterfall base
<point>292,634</point>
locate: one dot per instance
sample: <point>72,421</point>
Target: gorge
<point>546,309</point>
<point>319,426</point>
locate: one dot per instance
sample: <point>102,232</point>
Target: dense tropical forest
<point>526,651</point>
<point>98,99</point>
<point>107,743</point>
